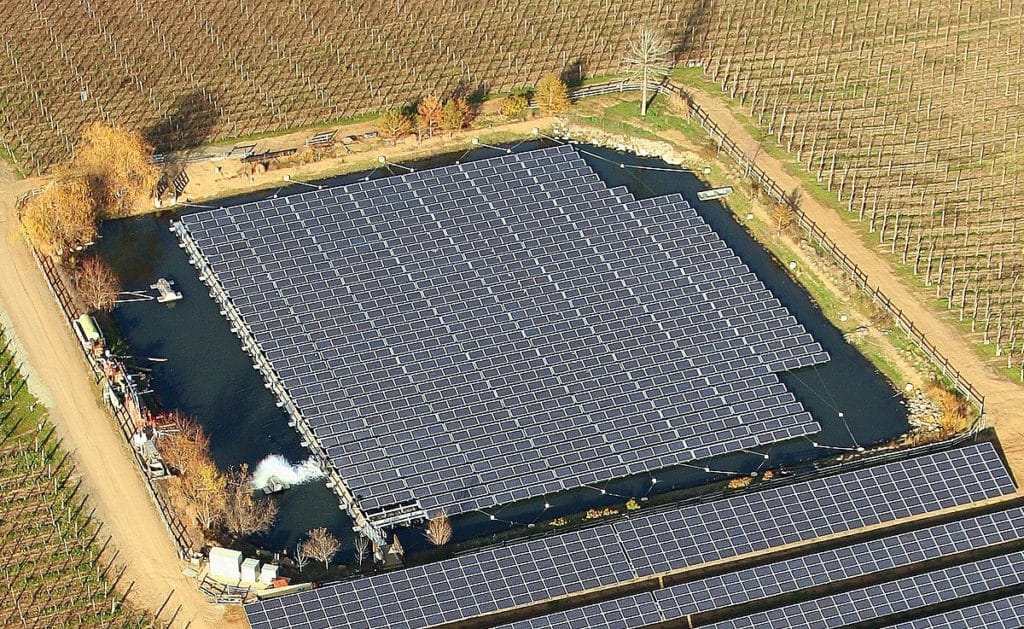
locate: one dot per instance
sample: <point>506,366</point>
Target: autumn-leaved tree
<point>200,488</point>
<point>206,488</point>
<point>244,513</point>
<point>428,114</point>
<point>551,95</point>
<point>513,106</point>
<point>118,165</point>
<point>439,529</point>
<point>320,545</point>
<point>455,115</point>
<point>647,60</point>
<point>61,218</point>
<point>184,445</point>
<point>96,284</point>
<point>782,217</point>
<point>393,125</point>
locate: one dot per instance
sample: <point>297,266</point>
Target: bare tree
<point>244,514</point>
<point>647,60</point>
<point>782,217</point>
<point>439,529</point>
<point>206,488</point>
<point>96,284</point>
<point>320,545</point>
<point>362,549</point>
<point>301,556</point>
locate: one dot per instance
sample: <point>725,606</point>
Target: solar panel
<point>573,562</point>
<point>490,332</point>
<point>1003,613</point>
<point>620,613</point>
<point>879,601</point>
<point>798,573</point>
<point>801,511</point>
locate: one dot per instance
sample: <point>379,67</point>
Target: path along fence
<point>815,234</point>
<point>60,291</point>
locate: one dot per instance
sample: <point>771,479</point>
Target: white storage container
<point>268,573</point>
<point>250,570</point>
<point>225,563</point>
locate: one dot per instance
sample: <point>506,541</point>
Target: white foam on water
<point>286,471</point>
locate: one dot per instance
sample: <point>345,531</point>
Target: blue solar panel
<point>620,613</point>
<point>574,562</point>
<point>476,335</point>
<point>878,601</point>
<point>792,575</point>
<point>1003,613</point>
<point>738,525</point>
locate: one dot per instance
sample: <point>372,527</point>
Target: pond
<point>208,376</point>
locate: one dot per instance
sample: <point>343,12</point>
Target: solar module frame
<point>734,527</point>
<point>536,570</point>
<point>541,217</point>
<point>846,562</point>
<point>893,597</point>
<point>1002,613</point>
<point>628,612</point>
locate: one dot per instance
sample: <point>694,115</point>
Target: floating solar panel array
<point>893,597</point>
<point>1003,613</point>
<point>537,570</point>
<point>504,329</point>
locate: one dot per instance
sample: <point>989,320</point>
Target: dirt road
<point>56,370</point>
<point>1004,401</point>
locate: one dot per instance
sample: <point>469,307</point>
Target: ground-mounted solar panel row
<point>659,542</point>
<point>892,597</point>
<point>1002,613</point>
<point>504,329</point>
<point>639,610</point>
<point>677,602</point>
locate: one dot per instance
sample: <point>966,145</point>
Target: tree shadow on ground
<point>189,123</point>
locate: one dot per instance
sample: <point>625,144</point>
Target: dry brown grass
<point>955,415</point>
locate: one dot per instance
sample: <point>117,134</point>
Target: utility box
<point>225,564</point>
<point>268,573</point>
<point>250,570</point>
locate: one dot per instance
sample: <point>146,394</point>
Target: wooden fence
<point>59,290</point>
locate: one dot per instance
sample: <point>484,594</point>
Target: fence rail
<point>771,188</point>
<point>60,292</point>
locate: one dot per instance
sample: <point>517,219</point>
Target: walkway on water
<point>1004,400</point>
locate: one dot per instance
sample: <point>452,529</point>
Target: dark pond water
<point>208,376</point>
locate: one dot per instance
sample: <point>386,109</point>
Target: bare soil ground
<point>1004,404</point>
<point>59,376</point>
